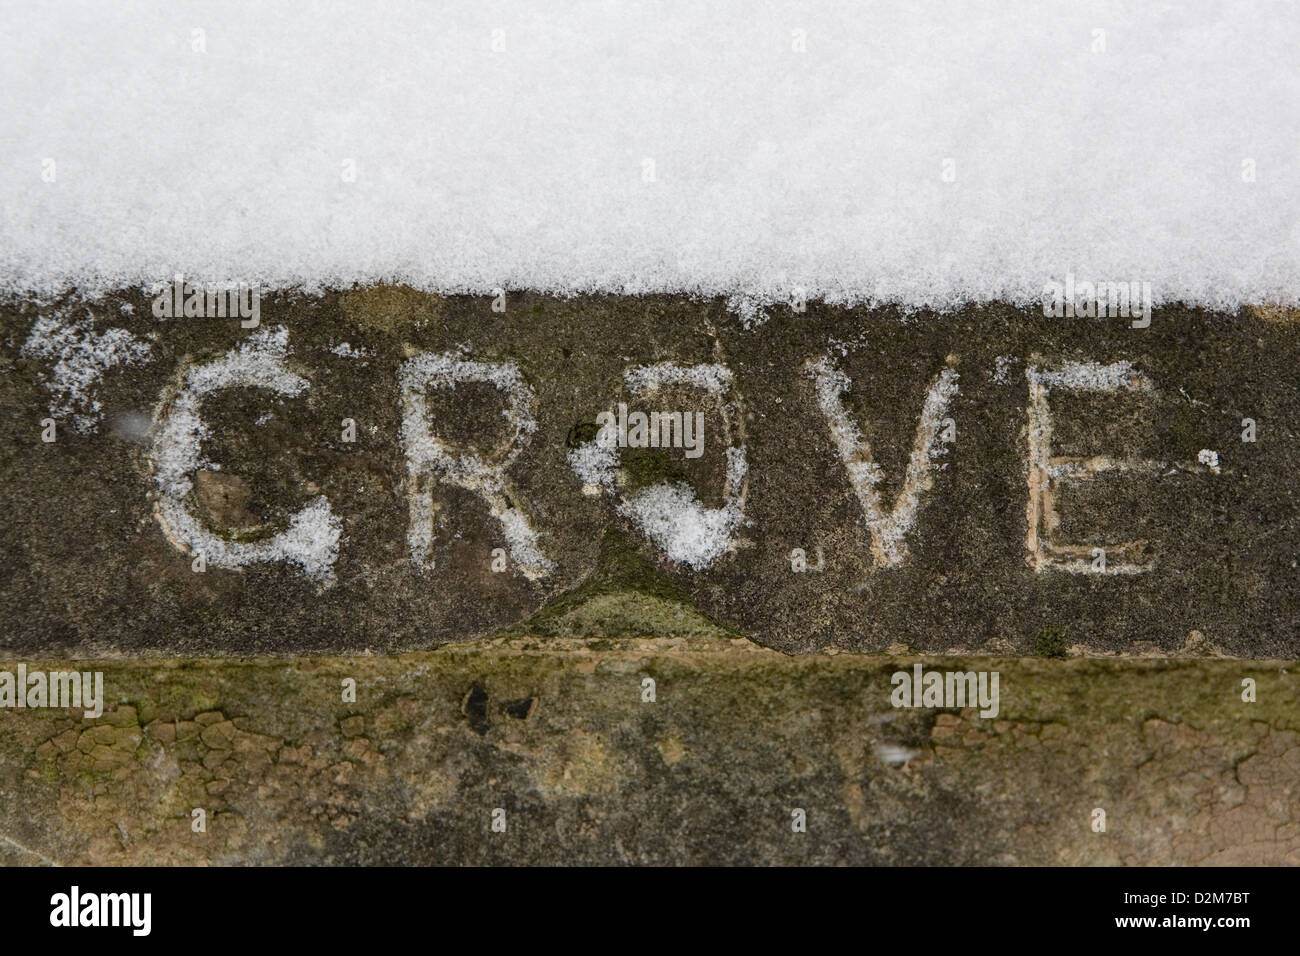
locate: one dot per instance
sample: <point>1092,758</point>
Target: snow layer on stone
<point>920,153</point>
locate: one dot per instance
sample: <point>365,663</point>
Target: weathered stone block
<point>380,469</point>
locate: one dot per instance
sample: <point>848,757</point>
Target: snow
<point>81,356</point>
<point>889,528</point>
<point>311,541</point>
<point>900,151</point>
<point>429,459</point>
<point>650,378</point>
<point>346,350</point>
<point>595,462</point>
<point>1090,376</point>
<point>672,517</point>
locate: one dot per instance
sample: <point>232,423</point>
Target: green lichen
<point>652,467</point>
<point>627,595</point>
<point>1050,642</point>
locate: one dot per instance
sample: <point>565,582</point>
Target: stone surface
<point>559,736</point>
<point>553,645</point>
<point>89,564</point>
